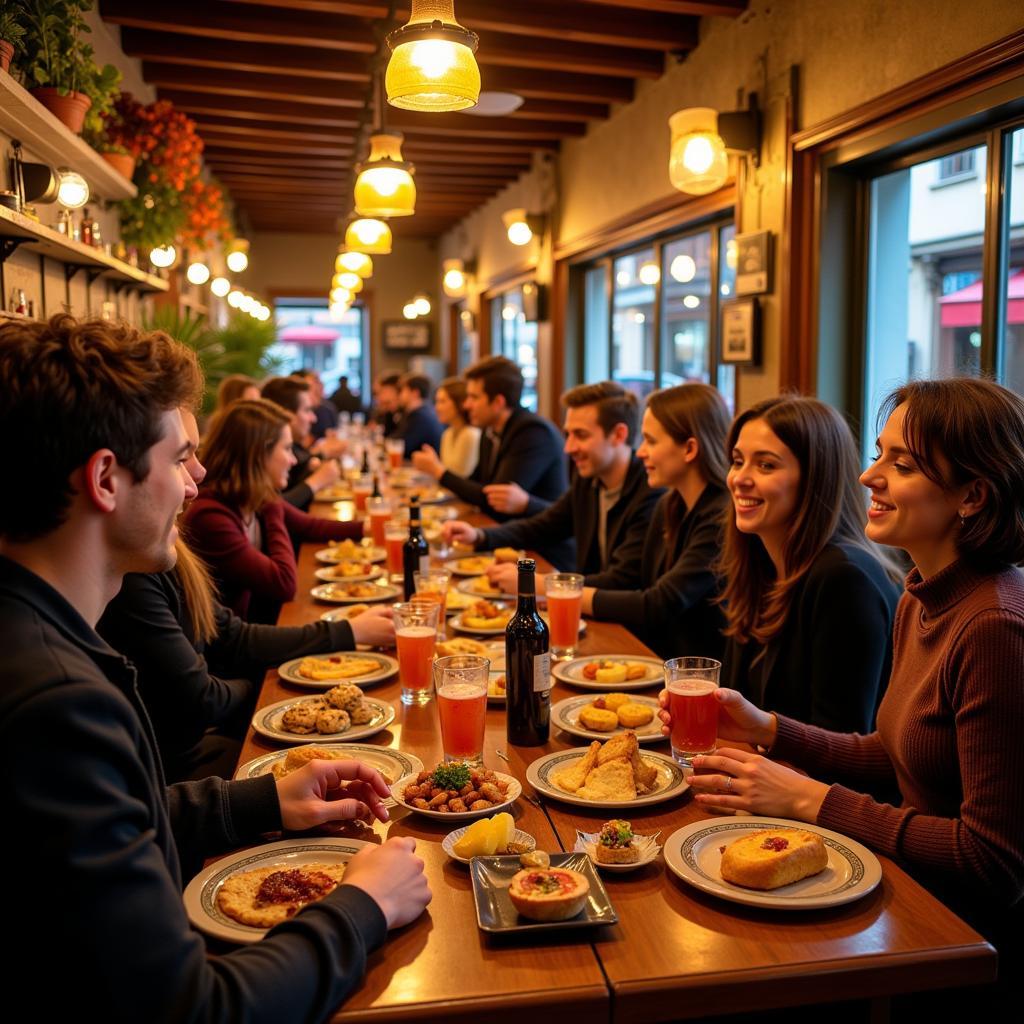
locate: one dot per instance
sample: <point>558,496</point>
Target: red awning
<point>963,308</point>
<point>308,334</point>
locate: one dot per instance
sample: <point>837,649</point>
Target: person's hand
<point>392,876</point>
<point>508,498</point>
<point>375,626</point>
<point>738,720</point>
<point>741,781</point>
<point>505,575</point>
<point>321,792</point>
<point>330,447</point>
<point>426,461</point>
<point>326,475</point>
<point>455,531</point>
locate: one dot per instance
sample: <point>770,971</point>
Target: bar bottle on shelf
<point>527,666</point>
<point>416,552</point>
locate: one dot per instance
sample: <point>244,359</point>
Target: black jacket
<point>81,782</point>
<point>674,613</point>
<point>419,427</point>
<point>576,516</point>
<point>187,686</point>
<point>829,665</point>
<point>299,493</point>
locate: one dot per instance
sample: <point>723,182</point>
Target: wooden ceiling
<point>281,89</point>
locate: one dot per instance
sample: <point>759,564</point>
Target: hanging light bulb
<point>432,66</point>
<point>163,256</point>
<point>198,272</point>
<point>220,286</point>
<point>422,304</point>
<point>384,187</point>
<point>341,295</point>
<point>369,235</point>
<point>518,226</point>
<point>454,280</point>
<point>358,262</point>
<point>649,273</point>
<point>409,311</point>
<point>235,298</point>
<point>238,256</point>
<point>338,309</point>
<point>347,279</point>
<point>698,163</point>
<point>72,189</point>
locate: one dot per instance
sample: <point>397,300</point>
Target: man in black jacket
<point>101,460</point>
<point>606,509</point>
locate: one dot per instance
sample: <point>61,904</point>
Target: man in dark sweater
<point>102,455</point>
<point>419,425</point>
<point>607,507</point>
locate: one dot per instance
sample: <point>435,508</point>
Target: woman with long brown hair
<point>683,450</point>
<point>460,442</point>
<point>198,664</point>
<point>807,598</point>
<point>239,525</point>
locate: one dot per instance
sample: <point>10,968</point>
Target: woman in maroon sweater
<point>239,525</point>
<point>947,487</point>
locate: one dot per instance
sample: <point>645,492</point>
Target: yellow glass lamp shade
<point>454,280</point>
<point>384,186</point>
<point>346,279</point>
<point>698,163</point>
<point>432,66</point>
<point>368,235</point>
<point>357,262</point>
<point>339,294</point>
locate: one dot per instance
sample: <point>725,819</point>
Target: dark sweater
<point>188,686</point>
<point>298,492</point>
<point>829,664</point>
<point>575,516</point>
<point>419,427</point>
<point>949,738</point>
<point>674,612</point>
<point>80,780</point>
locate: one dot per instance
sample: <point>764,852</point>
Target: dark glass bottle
<point>416,550</point>
<point>527,666</point>
<point>365,468</point>
<point>376,487</point>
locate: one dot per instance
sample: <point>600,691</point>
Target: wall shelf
<point>24,118</point>
<point>20,232</point>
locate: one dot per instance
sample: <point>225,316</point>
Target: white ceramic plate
<point>572,672</point>
<point>495,698</point>
<point>469,586</point>
<point>566,715</point>
<point>332,594</point>
<point>386,668</point>
<point>457,624</point>
<point>392,764</point>
<point>463,566</point>
<point>344,612</point>
<point>671,781</point>
<point>267,722</point>
<point>327,575</point>
<point>449,841</point>
<point>329,556</point>
<point>586,842</point>
<point>514,792</point>
<point>456,601</point>
<point>336,493</point>
<point>201,893</point>
<point>694,853</point>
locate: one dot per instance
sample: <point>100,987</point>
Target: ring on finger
<point>728,783</point>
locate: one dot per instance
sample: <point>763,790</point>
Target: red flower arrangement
<point>205,214</point>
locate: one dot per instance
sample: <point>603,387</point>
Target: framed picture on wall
<point>403,336</point>
<point>754,263</point>
<point>741,332</point>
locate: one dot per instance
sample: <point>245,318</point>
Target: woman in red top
<point>239,525</point>
<point>947,486</point>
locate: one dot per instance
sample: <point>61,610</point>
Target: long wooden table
<point>676,952</point>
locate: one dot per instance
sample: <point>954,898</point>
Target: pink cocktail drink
<point>564,618</point>
<point>463,711</point>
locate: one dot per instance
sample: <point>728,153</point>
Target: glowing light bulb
<point>235,299</point>
<point>691,301</point>
<point>163,256</point>
<point>519,232</point>
<point>72,189</point>
<point>650,273</point>
<point>422,304</point>
<point>683,268</point>
<point>237,261</point>
<point>698,155</point>
<point>409,311</point>
<point>220,286</point>
<point>198,272</point>
<point>434,57</point>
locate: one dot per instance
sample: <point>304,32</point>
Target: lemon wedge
<point>503,827</point>
<point>479,840</point>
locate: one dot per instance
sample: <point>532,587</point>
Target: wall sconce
<point>384,186</point>
<point>520,226</point>
<point>238,256</point>
<point>455,277</point>
<point>698,161</point>
<point>42,184</point>
<point>220,286</point>
<point>198,272</point>
<point>368,235</point>
<point>357,262</point>
<point>432,66</point>
<point>163,256</point>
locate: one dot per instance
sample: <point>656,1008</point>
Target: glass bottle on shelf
<point>527,666</point>
<point>85,230</point>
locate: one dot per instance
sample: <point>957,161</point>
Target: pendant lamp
<point>384,186</point>
<point>358,262</point>
<point>368,235</point>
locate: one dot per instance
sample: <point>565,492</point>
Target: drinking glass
<point>415,637</point>
<point>395,536</point>
<point>565,599</point>
<point>461,684</point>
<point>380,515</point>
<point>362,488</point>
<point>432,585</point>
<point>395,447</point>
<point>691,684</point>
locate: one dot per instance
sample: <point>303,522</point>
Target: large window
<point>651,314</point>
<point>515,336</point>
<point>308,336</point>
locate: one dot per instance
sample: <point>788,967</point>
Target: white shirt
<point>460,452</point>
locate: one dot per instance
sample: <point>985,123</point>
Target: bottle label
<point>424,563</point>
<point>542,672</point>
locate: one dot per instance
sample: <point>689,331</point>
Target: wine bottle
<point>527,666</point>
<point>365,468</point>
<point>416,550</point>
<point>376,487</point>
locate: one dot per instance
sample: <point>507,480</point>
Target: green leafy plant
<point>11,29</point>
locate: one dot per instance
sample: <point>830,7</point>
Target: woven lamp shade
<point>432,69</point>
<point>384,187</point>
<point>358,262</point>
<point>369,236</point>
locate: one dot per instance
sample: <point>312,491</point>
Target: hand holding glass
<point>691,684</point>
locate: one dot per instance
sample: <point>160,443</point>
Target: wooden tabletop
<point>675,953</point>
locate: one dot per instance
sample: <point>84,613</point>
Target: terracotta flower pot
<point>123,163</point>
<point>6,54</point>
<point>70,110</point>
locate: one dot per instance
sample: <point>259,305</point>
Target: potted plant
<point>110,128</point>
<point>11,34</point>
<point>57,64</point>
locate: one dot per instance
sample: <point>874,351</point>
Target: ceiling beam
<point>725,8</point>
<point>197,104</point>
